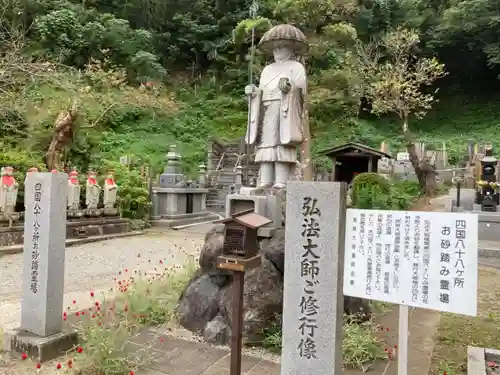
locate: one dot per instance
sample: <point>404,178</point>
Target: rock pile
<point>205,304</point>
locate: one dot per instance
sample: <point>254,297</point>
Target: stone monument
<point>8,196</point>
<point>313,282</point>
<point>177,203</point>
<point>110,195</point>
<point>172,174</point>
<point>74,190</point>
<point>92,194</point>
<point>275,106</point>
<point>40,334</point>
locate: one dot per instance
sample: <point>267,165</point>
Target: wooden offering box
<point>241,246</point>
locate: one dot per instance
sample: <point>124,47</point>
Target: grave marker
<point>313,298</point>
<point>44,253</point>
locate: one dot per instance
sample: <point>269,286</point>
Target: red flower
<point>97,303</point>
<point>126,269</point>
<point>131,373</point>
<point>83,312</point>
<point>58,366</point>
<point>395,346</point>
<point>79,349</point>
<point>77,313</point>
<point>92,294</point>
<point>38,366</point>
<point>74,301</point>
<point>65,317</point>
<point>24,356</point>
<point>70,363</point>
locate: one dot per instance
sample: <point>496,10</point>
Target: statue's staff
<point>253,14</point>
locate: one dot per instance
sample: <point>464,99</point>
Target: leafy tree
<point>397,79</point>
<point>473,25</point>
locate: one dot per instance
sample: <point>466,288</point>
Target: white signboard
<point>420,259</point>
<point>402,156</point>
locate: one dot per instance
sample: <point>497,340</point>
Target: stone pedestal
<point>110,211</point>
<point>75,213</point>
<point>270,206</point>
<point>173,207</point>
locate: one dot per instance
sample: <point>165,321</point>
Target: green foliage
<point>360,345</point>
<point>367,181</point>
<point>400,195</point>
<point>133,194</point>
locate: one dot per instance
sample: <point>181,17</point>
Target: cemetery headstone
<point>313,298</point>
<point>40,334</point>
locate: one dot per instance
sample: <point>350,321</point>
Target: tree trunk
<point>424,170</point>
<point>62,137</point>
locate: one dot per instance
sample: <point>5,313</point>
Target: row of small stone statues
<point>9,189</point>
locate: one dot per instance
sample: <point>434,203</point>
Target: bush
<point>401,196</point>
<point>367,181</point>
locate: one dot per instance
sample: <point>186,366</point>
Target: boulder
<point>198,303</point>
<point>217,331</point>
<point>259,307</point>
<point>274,249</point>
<point>205,306</point>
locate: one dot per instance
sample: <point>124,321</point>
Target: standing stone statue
<point>92,194</point>
<point>74,190</point>
<point>275,107</point>
<point>110,190</point>
<point>8,195</point>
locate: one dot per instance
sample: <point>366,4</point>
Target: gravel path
<point>93,266</point>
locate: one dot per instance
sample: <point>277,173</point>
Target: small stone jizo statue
<point>8,194</point>
<point>92,193</point>
<point>74,190</point>
<point>110,191</point>
<point>275,107</point>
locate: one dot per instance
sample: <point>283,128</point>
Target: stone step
<point>170,223</point>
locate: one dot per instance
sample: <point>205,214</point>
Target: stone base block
<point>75,213</point>
<point>110,211</point>
<point>249,190</point>
<point>38,348</point>
<point>269,206</point>
<point>93,212</point>
<point>173,221</point>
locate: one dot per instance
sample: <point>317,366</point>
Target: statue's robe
<point>74,190</point>
<point>275,117</point>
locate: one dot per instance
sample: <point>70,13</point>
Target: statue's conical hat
<point>284,34</point>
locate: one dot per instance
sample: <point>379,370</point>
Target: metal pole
<point>237,323</point>
<point>253,14</point>
<point>458,193</point>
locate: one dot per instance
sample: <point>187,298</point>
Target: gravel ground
<point>93,266</point>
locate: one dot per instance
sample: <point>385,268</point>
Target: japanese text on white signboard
<point>420,259</point>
